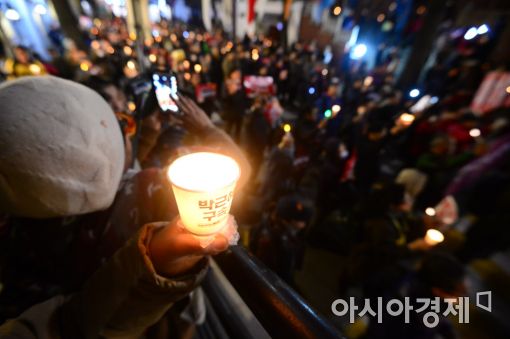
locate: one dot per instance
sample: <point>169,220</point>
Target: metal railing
<point>279,311</point>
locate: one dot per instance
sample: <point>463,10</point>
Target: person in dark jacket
<point>278,241</point>
<point>234,105</point>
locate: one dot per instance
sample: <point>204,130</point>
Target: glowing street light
<point>337,10</point>
<point>471,33</point>
<point>203,184</point>
<point>40,9</point>
<point>359,51</point>
<point>414,93</point>
<point>12,14</point>
<point>482,29</point>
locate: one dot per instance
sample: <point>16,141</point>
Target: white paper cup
<point>203,185</point>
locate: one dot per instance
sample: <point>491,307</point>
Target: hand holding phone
<point>193,117</point>
<point>165,89</point>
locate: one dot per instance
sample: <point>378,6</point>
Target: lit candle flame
<point>128,50</point>
<point>434,237</point>
<point>475,133</point>
<point>131,64</point>
<point>203,185</point>
<point>35,69</point>
<point>407,119</point>
<point>430,211</point>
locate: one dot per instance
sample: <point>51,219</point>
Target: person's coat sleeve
<point>121,300</point>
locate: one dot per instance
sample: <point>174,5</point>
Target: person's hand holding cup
<point>174,251</point>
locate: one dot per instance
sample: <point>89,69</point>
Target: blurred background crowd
<point>357,151</point>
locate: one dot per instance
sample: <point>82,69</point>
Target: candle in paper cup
<point>434,237</point>
<point>203,185</point>
<point>407,119</point>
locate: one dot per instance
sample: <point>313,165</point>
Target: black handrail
<point>280,310</point>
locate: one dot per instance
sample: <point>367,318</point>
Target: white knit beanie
<point>61,149</point>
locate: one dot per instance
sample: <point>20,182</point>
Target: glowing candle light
<point>131,64</point>
<point>84,66</point>
<point>127,50</point>
<point>475,133</point>
<point>434,237</point>
<point>368,81</point>
<point>407,119</point>
<point>203,185</point>
<point>35,69</point>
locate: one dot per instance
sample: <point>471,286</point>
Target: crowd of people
<point>336,156</point>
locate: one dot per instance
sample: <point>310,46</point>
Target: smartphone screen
<point>165,88</point>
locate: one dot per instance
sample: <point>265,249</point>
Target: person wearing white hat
<point>62,159</point>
